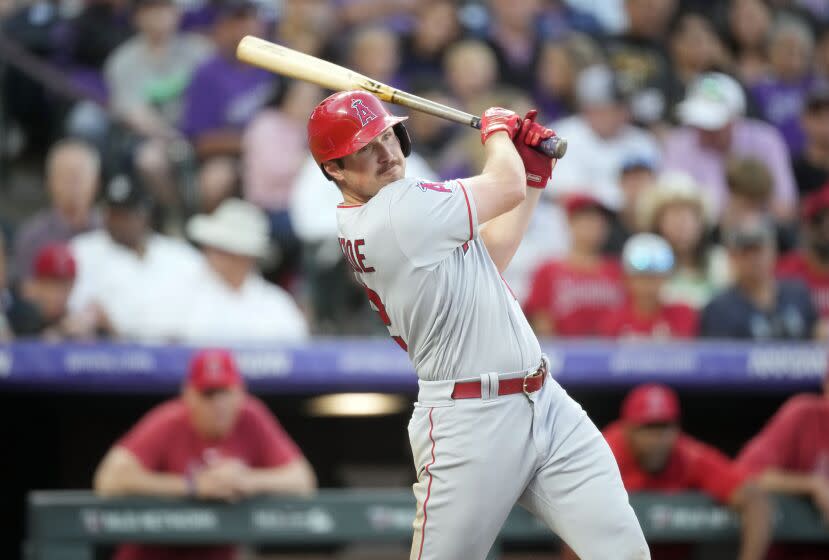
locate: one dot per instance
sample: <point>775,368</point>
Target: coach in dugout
<point>654,455</point>
<point>213,442</point>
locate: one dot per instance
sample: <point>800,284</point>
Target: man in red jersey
<point>811,263</point>
<point>648,261</point>
<point>215,442</point>
<point>791,456</point>
<point>655,455</point>
<point>569,296</point>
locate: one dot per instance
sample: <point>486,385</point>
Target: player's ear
<point>333,170</point>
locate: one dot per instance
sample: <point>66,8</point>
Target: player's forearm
<point>783,482</point>
<point>503,234</point>
<point>756,522</point>
<point>140,483</point>
<point>295,478</point>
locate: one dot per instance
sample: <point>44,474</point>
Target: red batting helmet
<point>346,121</point>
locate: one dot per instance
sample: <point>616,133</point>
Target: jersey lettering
<point>375,300</point>
<point>437,187</point>
<point>353,256</point>
<point>365,114</point>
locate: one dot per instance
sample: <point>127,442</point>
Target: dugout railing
<point>70,525</point>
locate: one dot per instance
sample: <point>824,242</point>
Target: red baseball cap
<point>213,369</point>
<point>651,404</point>
<point>55,262</point>
<point>576,202</point>
<point>815,203</point>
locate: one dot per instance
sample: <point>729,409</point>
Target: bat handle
<point>554,147</point>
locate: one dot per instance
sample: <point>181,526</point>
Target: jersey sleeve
<point>149,439</point>
<point>773,445</point>
<point>717,475</point>
<point>430,220</point>
<point>275,446</point>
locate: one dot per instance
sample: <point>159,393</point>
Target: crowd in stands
<point>184,206</point>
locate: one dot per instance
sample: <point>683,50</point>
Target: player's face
<point>371,168</point>
<point>652,445</point>
<point>214,412</point>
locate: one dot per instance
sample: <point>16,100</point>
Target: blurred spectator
<point>305,25</point>
<point>436,27</point>
<point>655,455</point>
<point>636,177</point>
<point>513,36</point>
<point>431,135</point>
<point>375,52</point>
<point>811,263</point>
<point>715,129</point>
<point>233,302</point>
<point>647,261</point>
<point>757,306</point>
<point>676,211</point>
<point>600,138</point>
<point>127,274</point>
<point>811,168</point>
<point>559,63</point>
<point>217,179</point>
<point>695,48</point>
<point>780,96</point>
<point>568,297</point>
<point>36,306</point>
<point>638,56</point>
<point>790,455</point>
<point>609,13</point>
<point>559,19</point>
<point>749,25</point>
<point>750,190</point>
<point>359,12</point>
<point>471,70</point>
<point>224,93</point>
<point>268,180</point>
<point>147,75</point>
<point>73,170</point>
<point>214,442</point>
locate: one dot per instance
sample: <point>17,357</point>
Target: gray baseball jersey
<point>415,248</point>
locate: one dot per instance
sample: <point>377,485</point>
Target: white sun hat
<point>236,226</point>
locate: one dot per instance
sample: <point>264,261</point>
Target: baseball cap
<point>576,202</point>
<point>54,262</point>
<point>815,203</point>
<point>647,253</point>
<point>636,163</point>
<point>651,404</point>
<point>598,85</point>
<point>213,369</point>
<point>751,232</point>
<point>125,192</point>
<point>713,100</point>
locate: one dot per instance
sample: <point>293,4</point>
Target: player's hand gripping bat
<point>295,64</point>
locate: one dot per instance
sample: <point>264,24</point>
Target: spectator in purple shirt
<point>715,130</point>
<point>225,94</point>
<point>72,176</point>
<point>780,96</point>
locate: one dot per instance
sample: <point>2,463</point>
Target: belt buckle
<point>526,379</point>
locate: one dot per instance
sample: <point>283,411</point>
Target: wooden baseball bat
<point>301,66</point>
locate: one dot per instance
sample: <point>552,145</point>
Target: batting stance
<point>491,428</point>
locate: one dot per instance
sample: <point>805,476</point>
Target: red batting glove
<point>538,166</point>
<point>496,119</point>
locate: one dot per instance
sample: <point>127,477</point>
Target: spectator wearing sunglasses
<point>757,306</point>
<point>647,263</point>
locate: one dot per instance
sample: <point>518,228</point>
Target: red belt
<point>530,383</point>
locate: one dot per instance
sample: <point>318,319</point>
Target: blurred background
<point>157,196</point>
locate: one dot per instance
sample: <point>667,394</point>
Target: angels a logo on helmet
<point>365,114</point>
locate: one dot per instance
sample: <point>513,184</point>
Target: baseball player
<point>491,428</point>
